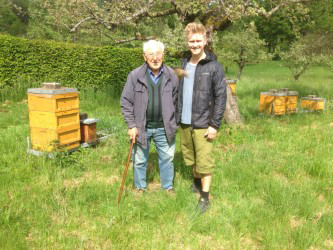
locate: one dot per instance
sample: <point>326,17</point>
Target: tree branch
<point>76,26</point>
<point>163,13</point>
<point>276,8</point>
<point>137,37</point>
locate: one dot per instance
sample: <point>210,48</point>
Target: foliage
<point>276,31</point>
<point>320,12</point>
<point>12,21</point>
<point>69,64</point>
<point>304,53</point>
<point>241,47</point>
<point>126,21</point>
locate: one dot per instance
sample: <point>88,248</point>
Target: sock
<point>205,195</point>
<point>197,183</point>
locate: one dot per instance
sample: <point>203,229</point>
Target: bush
<point>70,64</point>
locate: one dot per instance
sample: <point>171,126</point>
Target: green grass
<point>272,188</point>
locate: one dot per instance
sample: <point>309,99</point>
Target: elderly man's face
<point>154,57</point>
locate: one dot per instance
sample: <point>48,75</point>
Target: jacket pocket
<point>205,81</point>
<point>138,88</point>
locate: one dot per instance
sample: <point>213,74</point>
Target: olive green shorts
<point>197,150</point>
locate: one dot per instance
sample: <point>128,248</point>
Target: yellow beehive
<point>279,104</point>
<point>54,118</point>
<point>291,102</point>
<point>312,103</point>
<point>266,102</point>
<point>232,84</point>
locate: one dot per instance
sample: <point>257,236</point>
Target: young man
<point>148,104</point>
<point>202,101</point>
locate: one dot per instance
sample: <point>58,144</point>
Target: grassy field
<point>272,188</point>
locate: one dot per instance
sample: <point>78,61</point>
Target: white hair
<point>152,43</point>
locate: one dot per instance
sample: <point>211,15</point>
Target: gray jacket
<point>134,101</point>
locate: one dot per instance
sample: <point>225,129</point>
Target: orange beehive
<point>312,103</point>
<point>291,102</point>
<point>232,84</point>
<point>265,102</point>
<point>54,118</point>
<point>279,104</point>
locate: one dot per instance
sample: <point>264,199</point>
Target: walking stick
<point>125,172</point>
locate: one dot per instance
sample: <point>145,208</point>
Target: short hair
<point>193,28</point>
<point>152,43</point>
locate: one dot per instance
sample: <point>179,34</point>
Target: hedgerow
<point>70,64</point>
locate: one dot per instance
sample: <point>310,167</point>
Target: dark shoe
<point>203,205</point>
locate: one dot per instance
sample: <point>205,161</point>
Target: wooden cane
<point>125,172</point>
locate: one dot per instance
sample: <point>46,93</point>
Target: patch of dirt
<point>270,143</point>
<point>106,158</point>
<point>314,126</point>
<point>7,102</point>
<point>228,147</point>
<point>247,242</point>
<point>4,111</point>
<point>328,243</point>
<point>281,177</point>
<point>296,222</point>
<point>154,186</point>
<point>90,177</point>
<point>317,218</point>
<point>321,197</point>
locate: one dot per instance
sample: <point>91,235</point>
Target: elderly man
<point>148,104</point>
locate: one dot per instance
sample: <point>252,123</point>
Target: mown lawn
<point>272,188</point>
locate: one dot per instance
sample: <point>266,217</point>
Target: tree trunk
<point>231,114</point>
<point>209,36</point>
<point>240,70</point>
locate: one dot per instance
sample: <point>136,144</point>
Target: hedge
<point>70,64</point>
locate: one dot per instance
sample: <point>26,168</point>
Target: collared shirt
<point>153,77</point>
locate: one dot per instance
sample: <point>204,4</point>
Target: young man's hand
<point>211,133</point>
<point>133,133</point>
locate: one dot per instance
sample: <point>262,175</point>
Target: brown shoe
<point>170,192</point>
<point>138,192</point>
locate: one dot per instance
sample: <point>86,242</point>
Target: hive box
<point>54,118</point>
<point>88,130</point>
<point>232,84</point>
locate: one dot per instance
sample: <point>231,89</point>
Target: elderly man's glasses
<point>152,55</point>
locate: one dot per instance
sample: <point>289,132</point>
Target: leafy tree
<point>13,17</point>
<point>304,53</point>
<point>277,31</point>
<point>242,47</point>
<point>125,16</point>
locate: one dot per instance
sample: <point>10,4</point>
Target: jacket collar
<point>209,57</point>
<point>143,70</point>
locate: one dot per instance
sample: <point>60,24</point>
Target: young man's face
<point>196,43</point>
<point>154,57</point>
